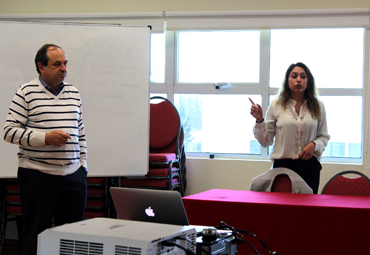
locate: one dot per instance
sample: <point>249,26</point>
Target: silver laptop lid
<point>149,205</point>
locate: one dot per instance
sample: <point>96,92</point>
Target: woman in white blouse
<point>297,121</point>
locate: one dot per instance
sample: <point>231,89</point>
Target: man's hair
<point>41,55</point>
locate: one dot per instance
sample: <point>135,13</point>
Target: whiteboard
<point>110,67</point>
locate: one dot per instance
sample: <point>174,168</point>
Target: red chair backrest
<point>342,185</point>
<point>164,127</point>
<point>282,183</point>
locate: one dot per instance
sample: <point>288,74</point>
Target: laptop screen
<point>149,205</point>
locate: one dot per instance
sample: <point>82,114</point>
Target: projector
<point>117,237</point>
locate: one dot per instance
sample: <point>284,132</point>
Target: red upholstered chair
<point>343,183</point>
<point>282,183</point>
<point>167,168</point>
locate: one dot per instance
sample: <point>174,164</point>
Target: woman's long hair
<point>310,93</point>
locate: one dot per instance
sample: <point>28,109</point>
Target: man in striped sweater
<point>45,120</point>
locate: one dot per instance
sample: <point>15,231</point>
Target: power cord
<point>242,240</point>
<point>237,232</point>
<point>236,235</point>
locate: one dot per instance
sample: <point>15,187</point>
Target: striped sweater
<point>34,112</point>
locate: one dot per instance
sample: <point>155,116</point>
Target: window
<point>216,123</point>
<point>354,150</point>
<point>255,147</point>
<point>335,150</point>
<point>335,58</point>
<point>344,125</point>
<point>252,63</point>
<point>157,54</point>
<point>226,56</point>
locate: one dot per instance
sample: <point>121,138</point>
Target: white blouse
<point>292,132</point>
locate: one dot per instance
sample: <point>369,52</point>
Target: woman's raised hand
<point>256,111</point>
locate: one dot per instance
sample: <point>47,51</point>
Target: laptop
<point>149,205</point>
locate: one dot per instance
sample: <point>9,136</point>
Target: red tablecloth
<point>291,224</point>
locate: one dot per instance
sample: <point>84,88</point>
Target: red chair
<point>356,185</point>
<point>167,168</point>
<point>282,183</point>
<point>97,202</point>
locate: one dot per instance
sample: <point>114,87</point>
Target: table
<point>290,224</point>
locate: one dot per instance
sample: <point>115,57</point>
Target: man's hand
<point>56,138</point>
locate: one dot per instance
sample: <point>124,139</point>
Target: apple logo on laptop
<point>149,211</point>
